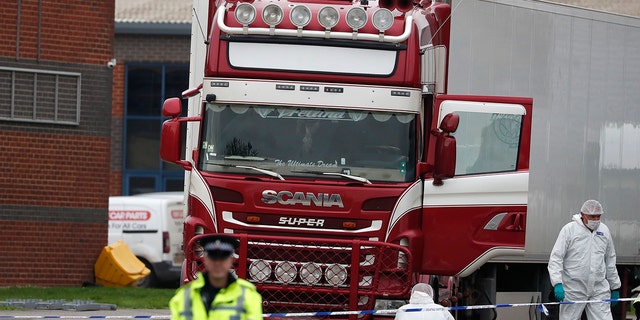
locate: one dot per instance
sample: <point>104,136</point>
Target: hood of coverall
<point>578,218</point>
<point>419,297</point>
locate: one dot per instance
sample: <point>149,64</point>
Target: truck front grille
<point>316,274</point>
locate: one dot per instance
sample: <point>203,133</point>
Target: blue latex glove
<point>558,291</point>
<point>615,295</point>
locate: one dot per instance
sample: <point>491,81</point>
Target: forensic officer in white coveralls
<point>422,298</point>
<point>582,265</point>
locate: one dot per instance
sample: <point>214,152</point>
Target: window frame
<point>164,173</point>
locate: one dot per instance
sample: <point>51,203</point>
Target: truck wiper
<point>265,171</point>
<point>344,175</point>
<point>245,158</point>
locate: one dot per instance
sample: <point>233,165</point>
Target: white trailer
<point>582,69</point>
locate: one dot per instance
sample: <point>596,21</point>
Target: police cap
<point>220,246</point>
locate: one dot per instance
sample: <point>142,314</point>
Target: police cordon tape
<point>542,307</point>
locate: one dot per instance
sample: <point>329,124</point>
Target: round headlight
<point>382,19</point>
<point>259,270</point>
<point>300,16</point>
<point>356,18</point>
<point>272,14</point>
<point>286,272</point>
<point>335,274</point>
<point>245,14</point>
<point>328,17</point>
<point>310,273</point>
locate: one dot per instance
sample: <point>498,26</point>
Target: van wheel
<point>150,281</point>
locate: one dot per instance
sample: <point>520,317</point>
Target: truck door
<point>476,211</point>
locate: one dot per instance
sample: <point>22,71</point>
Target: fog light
<point>335,274</point>
<point>369,260</point>
<point>310,273</point>
<point>259,270</point>
<point>383,304</point>
<point>402,260</point>
<point>366,281</point>
<point>198,250</point>
<point>286,272</point>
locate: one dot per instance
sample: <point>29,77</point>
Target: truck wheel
<point>150,281</point>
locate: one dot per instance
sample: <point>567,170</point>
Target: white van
<point>151,225</point>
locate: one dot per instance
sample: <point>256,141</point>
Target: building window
<point>43,96</point>
<point>146,88</point>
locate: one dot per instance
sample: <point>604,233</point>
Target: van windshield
<point>306,142</point>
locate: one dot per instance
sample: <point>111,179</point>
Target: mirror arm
<point>186,119</point>
<point>423,168</point>
<point>185,164</point>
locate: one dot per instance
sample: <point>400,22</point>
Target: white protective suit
<point>422,300</point>
<point>584,262</point>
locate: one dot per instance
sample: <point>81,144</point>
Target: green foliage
<point>123,298</point>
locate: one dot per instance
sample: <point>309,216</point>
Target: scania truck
<point>358,147</point>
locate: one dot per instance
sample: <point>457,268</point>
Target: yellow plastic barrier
<point>117,266</point>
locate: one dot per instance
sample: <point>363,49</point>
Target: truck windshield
<point>305,142</point>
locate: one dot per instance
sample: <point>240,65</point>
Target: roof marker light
<point>382,19</point>
<point>245,14</point>
<point>272,15</point>
<point>356,18</point>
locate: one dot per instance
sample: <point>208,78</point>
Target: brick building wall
<point>137,48</point>
<point>54,168</point>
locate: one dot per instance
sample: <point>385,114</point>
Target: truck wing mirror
<point>450,123</point>
<point>172,107</point>
<point>171,140</point>
<point>445,153</point>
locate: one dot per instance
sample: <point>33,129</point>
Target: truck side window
<point>487,142</point>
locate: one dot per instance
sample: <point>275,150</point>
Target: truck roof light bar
<point>382,19</point>
<point>300,16</point>
<point>356,18</point>
<point>313,33</point>
<point>245,14</point>
<point>328,17</point>
<point>272,15</point>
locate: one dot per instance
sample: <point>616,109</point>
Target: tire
<point>150,281</point>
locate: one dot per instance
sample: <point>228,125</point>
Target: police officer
<point>636,305</point>
<point>217,293</point>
